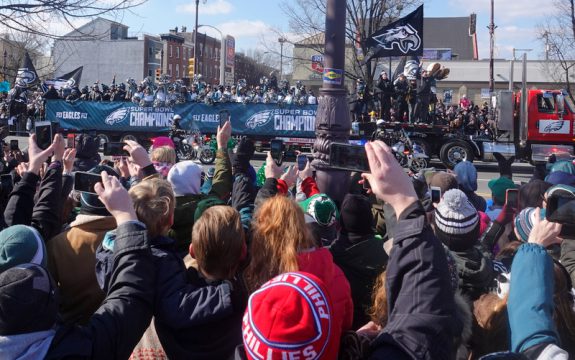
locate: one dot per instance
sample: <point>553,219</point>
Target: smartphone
<point>7,182</point>
<point>512,198</point>
<point>348,157</point>
<point>14,145</point>
<point>43,134</point>
<point>224,116</point>
<point>435,194</point>
<point>70,142</point>
<point>366,185</point>
<point>562,210</point>
<point>301,162</point>
<point>85,182</point>
<point>276,148</point>
<point>115,149</point>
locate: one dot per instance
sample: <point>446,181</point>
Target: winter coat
<point>420,297</point>
<point>186,205</point>
<point>568,257</point>
<point>319,262</point>
<point>72,260</point>
<point>361,261</point>
<point>120,321</point>
<point>476,273</point>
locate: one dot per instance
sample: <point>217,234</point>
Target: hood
<point>466,176</point>
<point>361,257</point>
<point>474,269</point>
<point>30,346</point>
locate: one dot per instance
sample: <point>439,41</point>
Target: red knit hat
<point>289,317</point>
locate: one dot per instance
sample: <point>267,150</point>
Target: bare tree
<point>35,16</point>
<point>253,65</point>
<point>558,35</point>
<point>364,17</point>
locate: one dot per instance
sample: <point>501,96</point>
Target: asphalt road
<point>486,170</point>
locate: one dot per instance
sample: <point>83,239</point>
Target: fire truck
<point>530,127</point>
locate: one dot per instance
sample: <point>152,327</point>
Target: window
<point>150,72</point>
<point>177,52</point>
<point>150,51</point>
<point>546,103</point>
<point>177,71</point>
<point>170,50</point>
<point>170,69</point>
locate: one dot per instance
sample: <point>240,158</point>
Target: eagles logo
<point>258,119</point>
<point>554,126</point>
<point>26,76</point>
<point>404,37</point>
<point>116,117</point>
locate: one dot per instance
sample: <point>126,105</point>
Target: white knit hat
<point>456,221</point>
<point>186,178</point>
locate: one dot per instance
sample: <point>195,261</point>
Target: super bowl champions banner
<point>247,119</point>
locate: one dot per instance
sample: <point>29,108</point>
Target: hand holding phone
<point>14,145</point>
<point>435,194</point>
<point>348,157</point>
<point>276,149</point>
<point>512,198</point>
<point>86,182</point>
<point>301,162</point>
<point>115,149</point>
<point>224,116</point>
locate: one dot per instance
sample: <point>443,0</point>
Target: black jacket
<point>568,257</point>
<point>119,323</point>
<point>419,294</point>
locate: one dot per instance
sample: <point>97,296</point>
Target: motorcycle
<point>192,146</point>
<point>409,154</point>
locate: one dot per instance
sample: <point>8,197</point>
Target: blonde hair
<point>279,232</point>
<point>218,241</point>
<point>154,203</point>
<point>164,154</point>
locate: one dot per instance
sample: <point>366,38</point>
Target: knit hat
<point>356,216</point>
<point>292,313</point>
<point>444,181</point>
<point>20,244</point>
<point>162,141</point>
<point>466,175</point>
<point>28,300</point>
<point>456,221</point>
<point>205,205</point>
<point>186,178</point>
<point>89,203</point>
<point>524,222</point>
<point>322,208</point>
<point>560,177</point>
<point>499,186</point>
<point>564,166</point>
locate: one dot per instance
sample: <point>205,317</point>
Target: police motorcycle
<point>408,153</point>
<point>191,145</point>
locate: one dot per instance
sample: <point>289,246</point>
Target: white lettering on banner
<point>71,115</point>
<point>209,118</point>
<point>294,123</point>
<point>155,119</point>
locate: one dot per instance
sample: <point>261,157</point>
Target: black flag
<point>403,37</point>
<point>68,80</point>
<point>27,74</point>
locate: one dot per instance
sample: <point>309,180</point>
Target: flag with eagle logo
<point>27,75</point>
<point>403,37</point>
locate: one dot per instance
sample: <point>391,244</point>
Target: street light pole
<point>4,65</point>
<point>491,28</point>
<point>196,40</point>
<point>282,40</point>
<point>333,121</point>
<point>222,52</point>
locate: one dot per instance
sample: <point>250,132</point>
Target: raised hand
<point>272,170</point>
<point>138,154</point>
<point>116,199</point>
<point>37,156</point>
<point>544,232</point>
<point>223,135</point>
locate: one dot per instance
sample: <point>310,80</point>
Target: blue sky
<point>249,20</point>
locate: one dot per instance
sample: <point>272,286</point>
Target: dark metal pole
<point>162,61</point>
<point>4,66</point>
<point>333,121</point>
<point>491,28</point>
<point>196,41</point>
<point>281,41</point>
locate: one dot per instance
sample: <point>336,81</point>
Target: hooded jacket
<point>319,262</point>
<point>476,272</point>
<point>467,180</point>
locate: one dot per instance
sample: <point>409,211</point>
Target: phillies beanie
<point>290,316</point>
<point>20,244</point>
<point>456,221</point>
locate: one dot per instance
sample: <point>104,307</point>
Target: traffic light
<point>158,74</point>
<point>191,66</point>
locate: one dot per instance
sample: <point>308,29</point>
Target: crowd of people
<point>165,260</point>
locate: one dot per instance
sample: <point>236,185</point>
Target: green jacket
<point>186,205</point>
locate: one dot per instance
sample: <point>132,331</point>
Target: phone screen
<point>512,198</point>
<point>115,149</point>
<point>7,183</point>
<point>43,135</point>
<point>276,147</point>
<point>224,116</point>
<point>13,145</point>
<point>348,157</point>
<point>435,194</point>
<point>85,182</point>
<point>301,162</point>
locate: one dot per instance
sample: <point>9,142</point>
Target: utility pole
<point>4,65</point>
<point>282,40</point>
<point>491,28</point>
<point>196,40</point>
<point>333,121</point>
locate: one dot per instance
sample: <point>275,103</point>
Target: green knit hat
<point>21,244</point>
<point>205,204</point>
<point>322,208</point>
<point>499,186</point>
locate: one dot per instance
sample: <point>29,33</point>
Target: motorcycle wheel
<point>184,152</point>
<point>401,159</point>
<point>418,164</point>
<point>207,156</point>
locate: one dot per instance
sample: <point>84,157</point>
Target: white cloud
<point>217,7</point>
<point>244,28</point>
